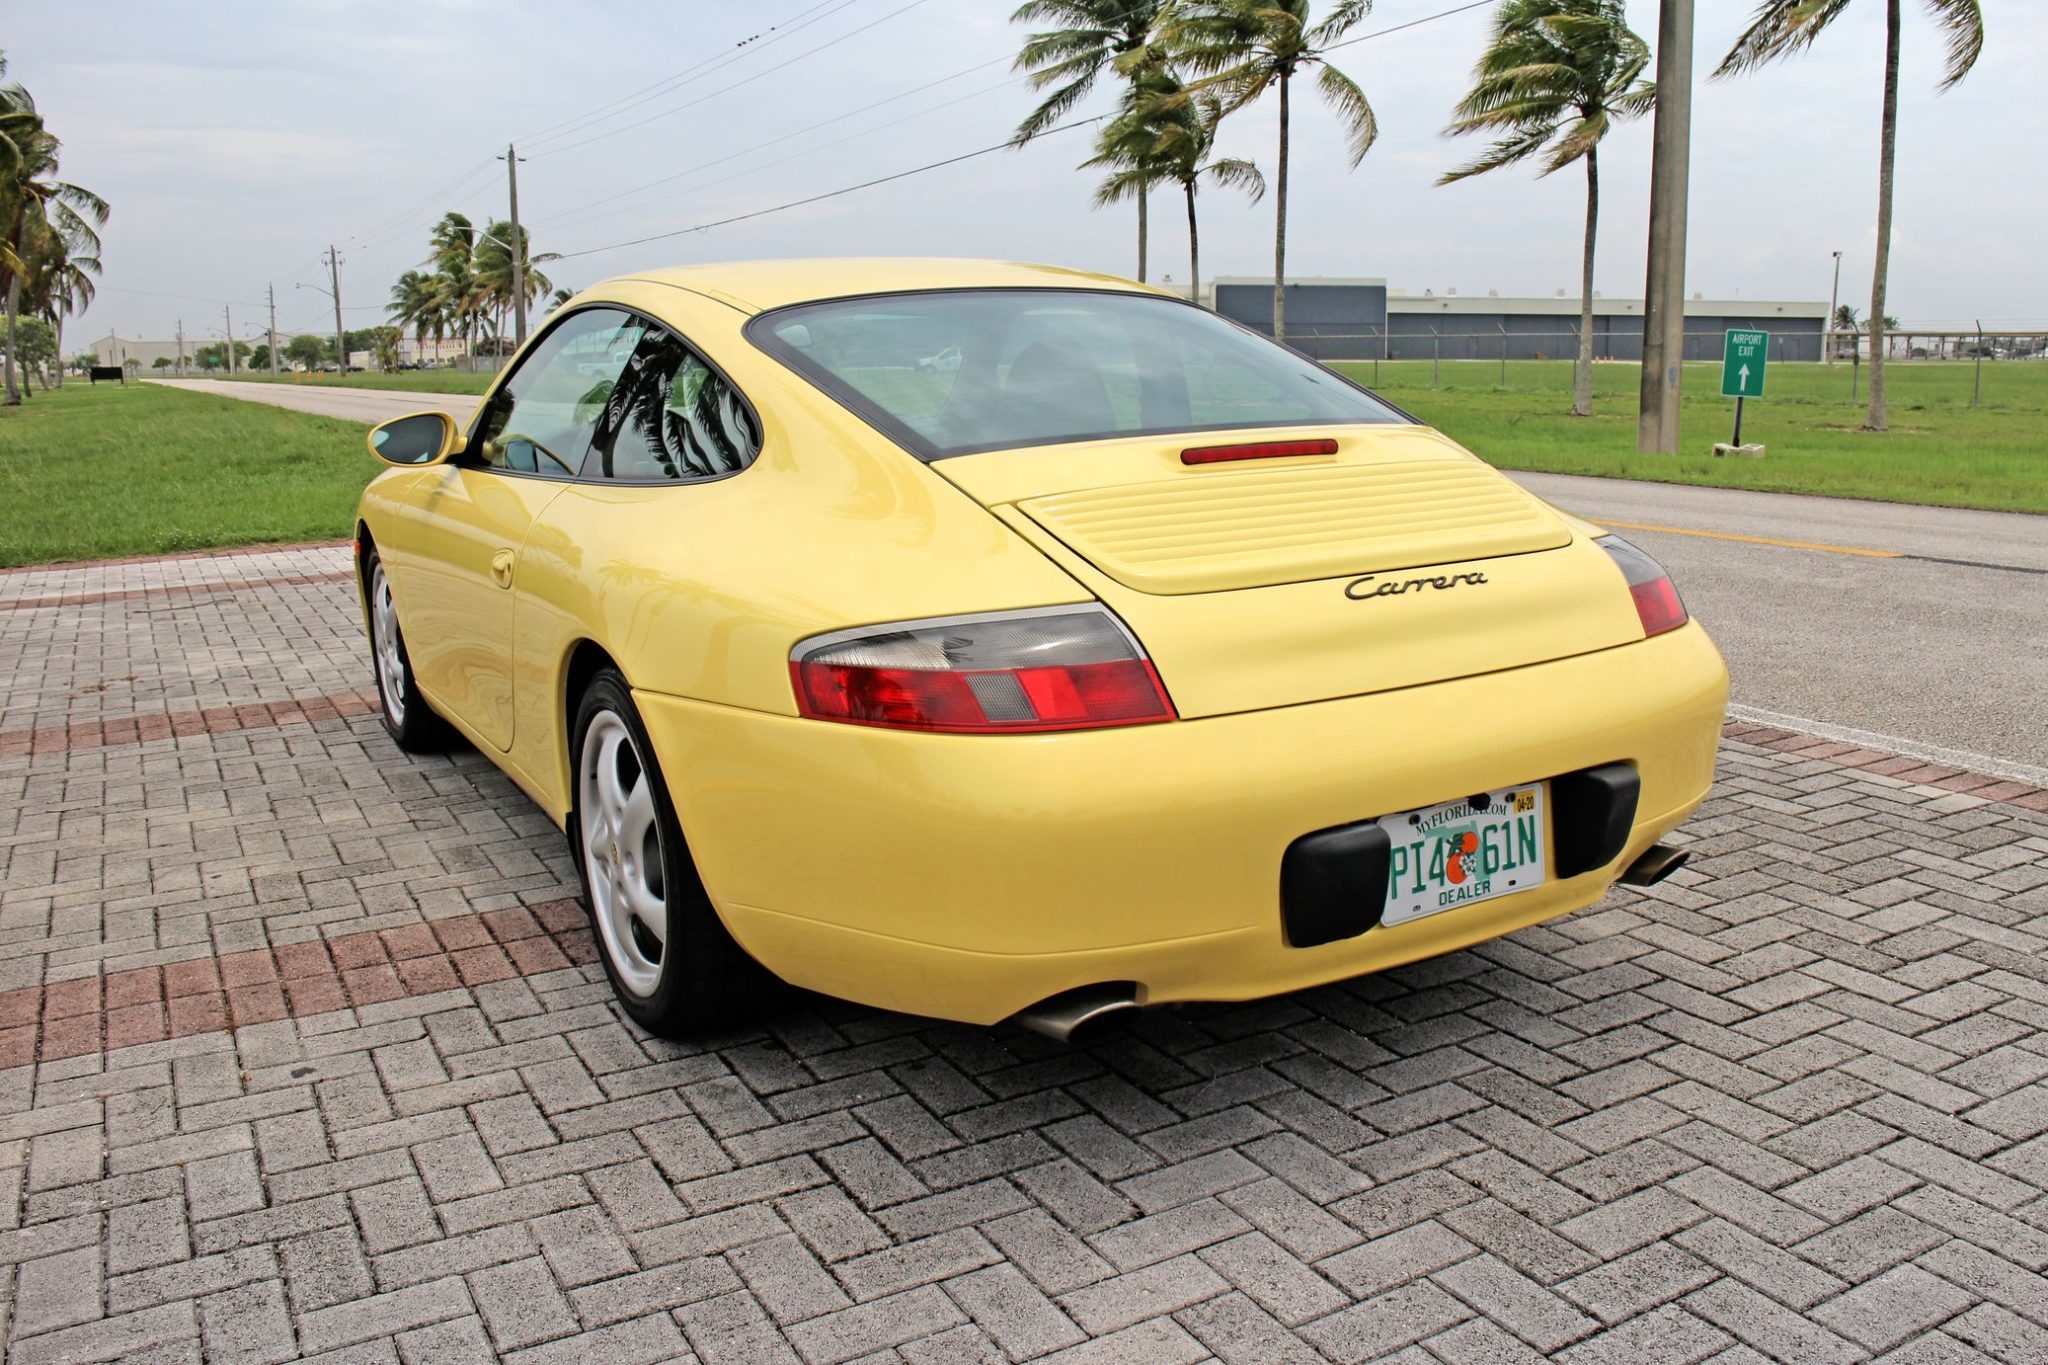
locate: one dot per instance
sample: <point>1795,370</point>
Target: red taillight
<point>1060,668</point>
<point>1657,604</point>
<point>1257,450</point>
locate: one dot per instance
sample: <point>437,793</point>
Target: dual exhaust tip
<point>1085,1010</point>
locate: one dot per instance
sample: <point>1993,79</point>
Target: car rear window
<point>959,371</point>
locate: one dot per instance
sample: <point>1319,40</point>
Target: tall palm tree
<point>1084,38</point>
<point>1780,28</point>
<point>492,265</point>
<point>453,255</point>
<point>415,303</point>
<point>1166,136</point>
<point>1555,79</point>
<point>61,285</point>
<point>1245,48</point>
<point>40,211</point>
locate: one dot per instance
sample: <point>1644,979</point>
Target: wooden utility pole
<point>517,247</point>
<point>227,319</point>
<point>340,336</point>
<point>273,331</point>
<point>1664,289</point>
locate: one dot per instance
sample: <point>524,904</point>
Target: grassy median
<point>97,471</point>
<point>1939,450</point>
<point>409,381</point>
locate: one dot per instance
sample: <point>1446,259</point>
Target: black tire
<point>692,976</point>
<point>407,717</point>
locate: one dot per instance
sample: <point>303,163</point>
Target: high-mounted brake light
<point>1657,604</point>
<point>1009,672</point>
<point>1257,450</point>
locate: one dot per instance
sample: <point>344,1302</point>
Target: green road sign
<point>1742,364</point>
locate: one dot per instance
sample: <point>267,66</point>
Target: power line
<point>787,28</point>
<point>727,89</point>
<point>1412,23</point>
<point>1005,145</point>
<point>965,156</point>
<point>592,204</point>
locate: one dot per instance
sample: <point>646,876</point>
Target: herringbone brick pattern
<point>1791,1105</point>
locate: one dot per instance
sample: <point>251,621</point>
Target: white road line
<point>1966,759</point>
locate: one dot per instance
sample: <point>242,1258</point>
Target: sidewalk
<point>303,1050</point>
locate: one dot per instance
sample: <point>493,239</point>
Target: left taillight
<point>1009,672</point>
<point>1657,603</point>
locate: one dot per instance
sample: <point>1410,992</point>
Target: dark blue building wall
<point>1327,321</point>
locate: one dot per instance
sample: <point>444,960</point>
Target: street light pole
<point>1827,331</point>
<point>518,248</point>
<point>273,330</point>
<point>1664,287</point>
<point>228,322</point>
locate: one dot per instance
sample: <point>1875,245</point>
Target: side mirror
<point>418,438</point>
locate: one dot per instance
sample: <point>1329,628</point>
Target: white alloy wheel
<point>384,639</point>
<point>622,854</point>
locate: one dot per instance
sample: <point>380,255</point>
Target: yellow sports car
<point>999,641</point>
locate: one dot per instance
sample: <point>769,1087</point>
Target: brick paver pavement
<point>302,1052</point>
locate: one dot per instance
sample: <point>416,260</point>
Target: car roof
<point>756,286</point>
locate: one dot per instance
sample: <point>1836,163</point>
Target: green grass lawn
<point>412,381</point>
<point>1939,450</point>
<point>91,472</point>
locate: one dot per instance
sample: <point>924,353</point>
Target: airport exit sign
<point>1742,364</point>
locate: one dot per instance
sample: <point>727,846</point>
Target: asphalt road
<point>1918,629</point>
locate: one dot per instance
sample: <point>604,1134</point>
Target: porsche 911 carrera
<point>1127,657</point>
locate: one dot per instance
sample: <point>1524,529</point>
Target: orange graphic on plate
<point>1454,868</point>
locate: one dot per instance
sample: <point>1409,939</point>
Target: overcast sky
<point>236,141</point>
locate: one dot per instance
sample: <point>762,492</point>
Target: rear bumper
<point>967,877</point>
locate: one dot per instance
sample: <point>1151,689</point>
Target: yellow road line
<point>1756,540</point>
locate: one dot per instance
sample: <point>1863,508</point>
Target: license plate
<point>1464,851</point>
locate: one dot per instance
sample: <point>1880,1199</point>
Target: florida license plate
<point>1463,851</point>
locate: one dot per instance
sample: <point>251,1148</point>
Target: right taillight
<point>1010,672</point>
<point>1657,602</point>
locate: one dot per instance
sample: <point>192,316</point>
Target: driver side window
<point>542,418</point>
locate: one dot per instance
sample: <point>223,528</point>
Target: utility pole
<point>1664,288</point>
<point>518,244</point>
<point>1827,331</point>
<point>181,348</point>
<point>228,321</point>
<point>340,336</point>
<point>273,331</point>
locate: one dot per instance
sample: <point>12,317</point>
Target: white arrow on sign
<point>1742,377</point>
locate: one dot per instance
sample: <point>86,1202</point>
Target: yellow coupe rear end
<point>1046,647</point>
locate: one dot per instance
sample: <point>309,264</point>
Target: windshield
<point>960,371</point>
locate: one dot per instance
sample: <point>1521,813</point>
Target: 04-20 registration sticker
<point>1473,849</point>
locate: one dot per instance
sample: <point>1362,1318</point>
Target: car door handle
<point>501,568</point>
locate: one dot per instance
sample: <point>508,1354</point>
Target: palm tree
<point>42,213</point>
<point>1165,136</point>
<point>453,257</point>
<point>1555,79</point>
<point>61,285</point>
<point>1247,47</point>
<point>1090,37</point>
<point>1781,28</point>
<point>492,265</point>
<point>415,303</point>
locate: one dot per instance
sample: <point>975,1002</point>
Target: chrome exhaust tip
<point>1657,862</point>
<point>1061,1016</point>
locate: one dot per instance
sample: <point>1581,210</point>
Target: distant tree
<point>1083,38</point>
<point>259,358</point>
<point>304,349</point>
<point>1555,79</point>
<point>383,347</point>
<point>85,360</point>
<point>1849,321</point>
<point>1245,48</point>
<point>162,362</point>
<point>1167,136</point>
<point>1781,28</point>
